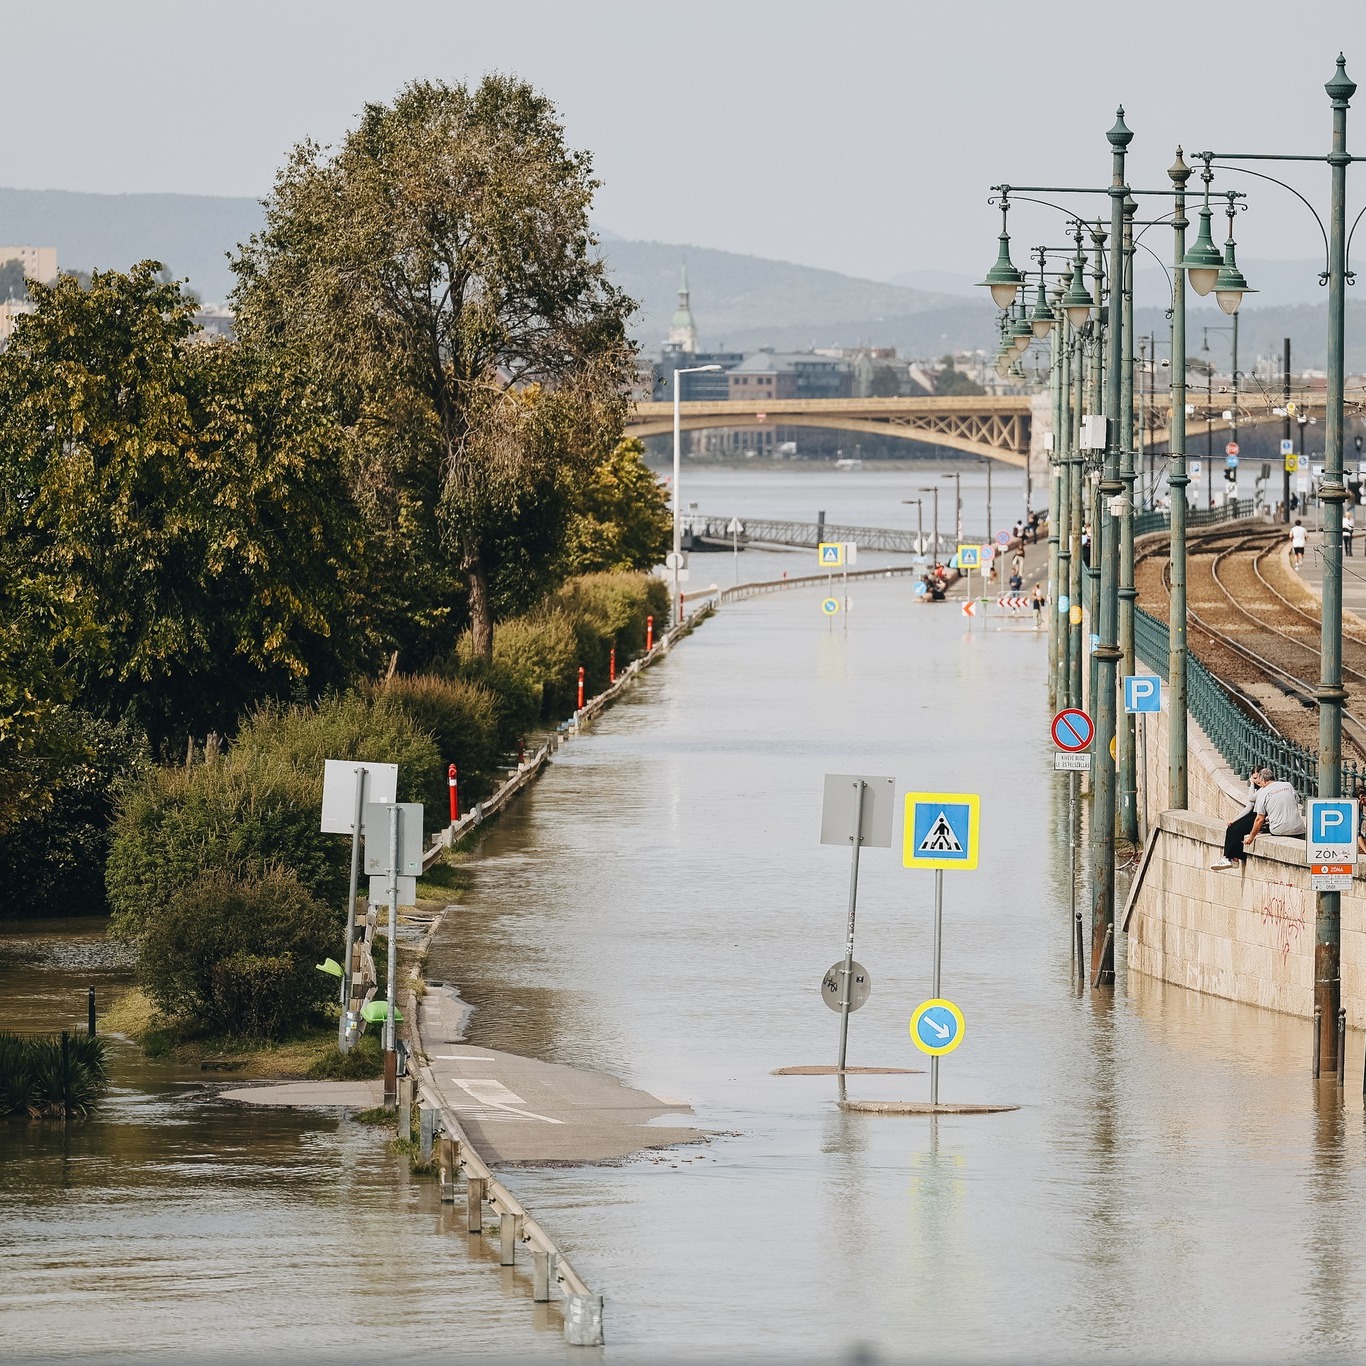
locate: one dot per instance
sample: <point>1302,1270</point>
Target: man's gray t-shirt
<point>1281,807</point>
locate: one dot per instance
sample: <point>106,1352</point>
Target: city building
<point>40,263</point>
<point>799,374</point>
<point>683,330</point>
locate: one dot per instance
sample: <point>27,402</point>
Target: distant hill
<point>191,234</point>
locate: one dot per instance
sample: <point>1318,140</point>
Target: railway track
<point>1261,645</point>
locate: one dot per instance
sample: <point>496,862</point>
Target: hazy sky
<point>860,135</point>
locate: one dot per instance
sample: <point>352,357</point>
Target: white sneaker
<point>1224,863</point>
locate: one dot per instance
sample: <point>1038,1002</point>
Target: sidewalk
<point>1353,572</point>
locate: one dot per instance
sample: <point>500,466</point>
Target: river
<point>659,907</point>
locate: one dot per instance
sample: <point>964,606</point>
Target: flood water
<point>659,907</point>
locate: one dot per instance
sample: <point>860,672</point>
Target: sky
<point>860,136</point>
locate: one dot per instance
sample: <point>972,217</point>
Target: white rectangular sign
<point>841,802</point>
<point>379,891</point>
<point>339,791</point>
<point>1076,763</point>
<point>377,848</point>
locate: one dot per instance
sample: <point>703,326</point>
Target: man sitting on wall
<point>1275,808</point>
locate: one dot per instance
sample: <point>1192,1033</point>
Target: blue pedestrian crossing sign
<point>941,830</point>
<point>1142,692</point>
<point>969,557</point>
<point>937,1027</point>
<point>830,554</point>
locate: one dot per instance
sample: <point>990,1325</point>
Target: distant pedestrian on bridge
<point>1297,539</point>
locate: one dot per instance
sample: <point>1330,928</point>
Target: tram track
<point>1261,646</point>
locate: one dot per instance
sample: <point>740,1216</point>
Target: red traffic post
<point>580,687</point>
<point>612,666</point>
<point>521,749</point>
<point>451,776</point>
<point>649,634</point>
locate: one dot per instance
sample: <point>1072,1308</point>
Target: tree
<point>427,272</point>
<point>886,383</point>
<point>953,382</point>
<point>620,517</point>
<point>173,507</point>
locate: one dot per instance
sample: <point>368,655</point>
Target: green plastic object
<point>331,967</point>
<point>373,1012</point>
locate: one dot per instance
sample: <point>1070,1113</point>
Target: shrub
<point>52,861</point>
<point>238,957</point>
<point>176,823</point>
<point>258,808</point>
<point>461,716</point>
<point>608,610</point>
<point>351,725</point>
<point>33,1080</point>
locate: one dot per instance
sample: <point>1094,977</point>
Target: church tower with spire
<point>682,329</point>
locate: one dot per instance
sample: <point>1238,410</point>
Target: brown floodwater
<point>1172,1186</point>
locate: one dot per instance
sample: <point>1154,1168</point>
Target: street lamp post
<point>956,476</point>
<point>935,553</point>
<point>1177,482</point>
<point>677,559</point>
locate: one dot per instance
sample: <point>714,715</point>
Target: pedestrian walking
<point>1297,539</point>
<point>1037,600</point>
<point>1348,528</point>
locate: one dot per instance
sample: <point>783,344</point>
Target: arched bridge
<point>987,425</point>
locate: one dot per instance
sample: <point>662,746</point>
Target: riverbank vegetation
<point>390,519</point>
<point>46,1076</point>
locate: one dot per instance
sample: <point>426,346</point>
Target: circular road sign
<point>1231,448</point>
<point>1073,730</point>
<point>673,560</point>
<point>1003,538</point>
<point>937,1027</point>
<point>988,553</point>
<point>830,606</point>
<point>859,988</point>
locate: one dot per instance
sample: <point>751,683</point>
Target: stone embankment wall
<point>1246,934</point>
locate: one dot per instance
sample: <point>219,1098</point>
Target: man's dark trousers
<point>1235,834</point>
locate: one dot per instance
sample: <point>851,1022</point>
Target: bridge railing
<point>1244,742</point>
<point>813,533</point>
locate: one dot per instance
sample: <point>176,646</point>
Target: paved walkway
<point>520,1110</point>
<point>357,1095</point>
<point>1353,571</point>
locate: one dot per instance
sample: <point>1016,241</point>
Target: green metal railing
<point>1244,742</point>
<point>1145,523</point>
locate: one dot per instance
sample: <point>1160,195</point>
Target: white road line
<point>492,1093</point>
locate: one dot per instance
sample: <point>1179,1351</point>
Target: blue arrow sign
<point>937,1027</point>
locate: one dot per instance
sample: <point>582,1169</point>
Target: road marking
<point>492,1093</point>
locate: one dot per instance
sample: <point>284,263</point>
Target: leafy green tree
<point>620,517</point>
<point>886,383</point>
<point>175,504</point>
<point>429,272</point>
<point>953,382</point>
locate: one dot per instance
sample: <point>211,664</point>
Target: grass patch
<point>381,1114</point>
<point>443,881</point>
<point>310,1052</point>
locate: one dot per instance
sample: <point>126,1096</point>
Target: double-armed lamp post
<point>677,558</point>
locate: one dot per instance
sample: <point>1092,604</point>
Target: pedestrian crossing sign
<point>831,554</point>
<point>969,557</point>
<point>941,830</point>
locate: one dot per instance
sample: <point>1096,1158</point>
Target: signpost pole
<point>934,989</point>
<point>390,1031</point>
<point>343,1033</point>
<point>847,978</point>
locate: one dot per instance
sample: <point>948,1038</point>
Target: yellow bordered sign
<point>830,554</point>
<point>941,830</point>
<point>937,1027</point>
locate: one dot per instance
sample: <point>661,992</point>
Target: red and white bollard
<point>451,777</point>
<point>521,750</point>
<point>612,666</point>
<point>580,687</point>
<point>649,634</point>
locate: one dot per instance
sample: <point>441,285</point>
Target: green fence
<point>1147,522</point>
<point>1244,742</point>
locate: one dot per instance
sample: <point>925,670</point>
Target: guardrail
<point>1145,523</point>
<point>1244,743</point>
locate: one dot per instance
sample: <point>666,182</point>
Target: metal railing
<point>1244,742</point>
<point>1145,523</point>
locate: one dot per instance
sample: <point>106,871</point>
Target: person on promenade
<point>1275,808</point>
<point>1349,527</point>
<point>1361,820</point>
<point>1036,601</point>
<point>1297,539</point>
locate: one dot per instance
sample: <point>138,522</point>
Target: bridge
<point>996,426</point>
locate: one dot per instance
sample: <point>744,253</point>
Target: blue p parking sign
<point>1142,692</point>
